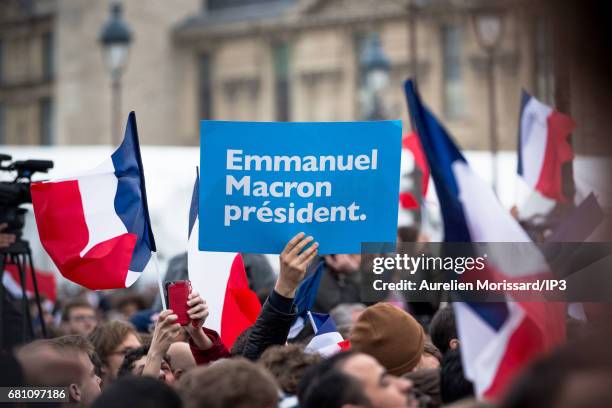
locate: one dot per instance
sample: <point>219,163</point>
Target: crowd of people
<point>131,356</point>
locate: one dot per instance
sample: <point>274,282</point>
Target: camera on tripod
<point>12,195</point>
<point>17,192</point>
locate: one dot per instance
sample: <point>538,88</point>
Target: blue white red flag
<point>412,146</point>
<point>220,279</point>
<point>543,146</point>
<point>45,281</point>
<point>497,339</point>
<point>96,226</point>
<point>327,340</point>
<point>305,297</point>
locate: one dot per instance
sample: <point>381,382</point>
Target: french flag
<point>45,281</point>
<point>497,339</point>
<point>543,146</point>
<point>305,297</point>
<point>220,279</point>
<point>411,145</point>
<point>96,226</point>
<point>327,340</point>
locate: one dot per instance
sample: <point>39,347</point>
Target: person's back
<point>453,384</point>
<point>339,282</point>
<point>138,392</point>
<point>236,383</point>
<point>287,364</point>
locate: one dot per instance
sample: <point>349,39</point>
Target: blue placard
<point>263,182</point>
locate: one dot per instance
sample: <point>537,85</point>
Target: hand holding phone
<point>178,293</point>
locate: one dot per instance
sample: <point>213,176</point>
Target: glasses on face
<point>122,352</point>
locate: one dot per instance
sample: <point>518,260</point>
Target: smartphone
<point>176,296</point>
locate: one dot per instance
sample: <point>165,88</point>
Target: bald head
<point>181,359</point>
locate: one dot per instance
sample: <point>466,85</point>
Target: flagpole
<point>516,193</point>
<point>159,281</point>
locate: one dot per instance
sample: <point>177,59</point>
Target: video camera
<point>17,192</point>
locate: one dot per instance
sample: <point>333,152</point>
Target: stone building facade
<point>27,71</point>
<point>300,61</point>
<point>296,60</point>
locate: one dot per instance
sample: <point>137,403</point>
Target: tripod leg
<point>41,317</point>
<point>27,321</point>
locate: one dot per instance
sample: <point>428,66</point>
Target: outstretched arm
<point>166,330</point>
<point>277,314</point>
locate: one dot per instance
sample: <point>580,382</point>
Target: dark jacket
<point>272,325</point>
<point>335,288</point>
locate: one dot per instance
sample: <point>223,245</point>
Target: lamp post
<point>376,66</point>
<point>115,38</point>
<point>414,6</point>
<point>488,25</point>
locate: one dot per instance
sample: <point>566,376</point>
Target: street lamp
<point>414,6</point>
<point>115,38</point>
<point>488,25</point>
<point>376,67</point>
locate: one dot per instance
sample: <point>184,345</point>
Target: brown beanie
<point>390,335</point>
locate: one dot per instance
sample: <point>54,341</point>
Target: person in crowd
<point>235,382</point>
<point>443,330</point>
<point>578,374</point>
<point>87,387</point>
<point>260,275</point>
<point>134,364</point>
<point>205,344</point>
<point>276,316</point>
<point>154,360</point>
<point>182,358</point>
<point>130,303</point>
<point>112,341</point>
<point>278,312</point>
<point>45,317</point>
<point>345,315</point>
<point>6,239</point>
<point>453,384</point>
<point>287,364</point>
<point>241,342</point>
<point>79,317</point>
<point>144,321</point>
<point>426,384</point>
<point>166,331</point>
<point>411,240</point>
<point>259,272</point>
<point>431,358</point>
<point>138,392</point>
<point>31,364</point>
<point>391,336</point>
<point>353,379</point>
<point>339,281</point>
<point>65,361</point>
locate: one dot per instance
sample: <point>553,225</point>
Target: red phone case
<point>177,300</point>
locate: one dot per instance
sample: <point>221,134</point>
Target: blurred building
<point>27,71</point>
<point>300,61</point>
<point>265,60</point>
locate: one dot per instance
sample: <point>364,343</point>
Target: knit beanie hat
<point>391,336</point>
